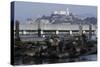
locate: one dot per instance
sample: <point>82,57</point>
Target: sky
<point>25,10</point>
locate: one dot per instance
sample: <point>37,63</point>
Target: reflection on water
<point>89,58</point>
<point>31,60</point>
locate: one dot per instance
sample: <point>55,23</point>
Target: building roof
<point>43,26</point>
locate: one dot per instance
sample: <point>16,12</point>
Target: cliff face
<point>91,20</point>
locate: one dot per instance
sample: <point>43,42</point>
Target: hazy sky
<point>24,10</point>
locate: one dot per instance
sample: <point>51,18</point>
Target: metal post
<point>17,30</point>
<point>90,31</point>
<point>80,29</point>
<point>39,28</point>
<point>81,33</point>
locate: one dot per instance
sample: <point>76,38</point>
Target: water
<point>89,57</point>
<point>31,60</point>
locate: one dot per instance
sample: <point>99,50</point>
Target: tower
<point>67,12</point>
